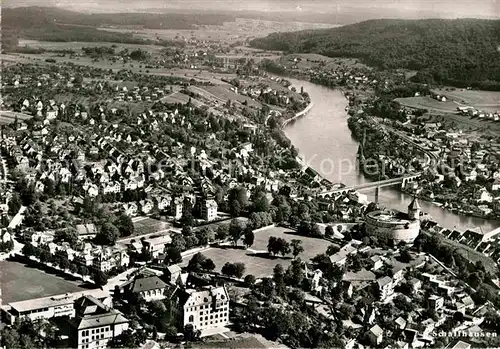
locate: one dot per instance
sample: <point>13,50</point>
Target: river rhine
<point>324,142</point>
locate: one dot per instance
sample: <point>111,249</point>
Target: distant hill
<point>24,17</point>
<point>54,24</point>
<point>459,52</point>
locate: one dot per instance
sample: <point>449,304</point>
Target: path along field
<point>262,265</point>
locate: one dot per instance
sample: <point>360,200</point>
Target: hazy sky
<point>438,8</point>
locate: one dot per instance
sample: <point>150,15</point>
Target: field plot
<point>222,93</point>
<point>429,104</point>
<point>178,97</point>
<point>487,100</point>
<point>77,45</point>
<point>8,117</point>
<point>20,282</point>
<point>262,265</point>
<point>232,31</point>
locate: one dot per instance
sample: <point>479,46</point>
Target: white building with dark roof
<point>150,288</point>
<point>47,307</point>
<point>95,324</point>
<point>205,309</point>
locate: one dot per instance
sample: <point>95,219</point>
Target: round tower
<point>414,210</point>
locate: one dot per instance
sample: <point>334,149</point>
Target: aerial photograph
<point>244,174</point>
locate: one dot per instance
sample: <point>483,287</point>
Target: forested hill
<point>460,52</point>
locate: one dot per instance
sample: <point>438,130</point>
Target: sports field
<point>20,283</point>
<point>261,265</point>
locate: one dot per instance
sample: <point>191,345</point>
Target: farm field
<point>222,93</point>
<point>240,29</point>
<point>77,45</point>
<point>20,282</point>
<point>8,117</point>
<point>429,104</point>
<point>487,100</point>
<point>262,265</point>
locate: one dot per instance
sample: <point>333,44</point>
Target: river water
<point>324,142</point>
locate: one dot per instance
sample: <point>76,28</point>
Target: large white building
<point>47,307</point>
<point>95,324</point>
<point>209,210</point>
<point>205,309</point>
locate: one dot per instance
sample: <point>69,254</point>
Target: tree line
<point>461,52</point>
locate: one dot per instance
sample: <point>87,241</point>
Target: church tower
<point>414,210</point>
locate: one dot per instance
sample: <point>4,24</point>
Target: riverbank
<point>326,144</point>
<point>298,115</point>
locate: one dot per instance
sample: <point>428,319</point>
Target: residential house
<point>375,335</point>
<point>156,246</point>
<point>209,210</point>
<point>385,287</point>
<point>86,231</point>
<point>173,273</point>
<point>177,207</point>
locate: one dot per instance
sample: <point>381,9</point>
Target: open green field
<point>229,32</point>
<point>20,282</point>
<point>429,104</point>
<point>486,100</point>
<point>261,265</point>
<point>77,46</point>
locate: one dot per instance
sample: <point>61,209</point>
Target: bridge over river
<point>403,181</point>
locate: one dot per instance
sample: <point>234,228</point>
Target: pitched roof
<point>414,205</point>
<point>384,281</point>
<point>99,320</point>
<point>147,284</point>
<point>174,269</point>
<point>376,330</point>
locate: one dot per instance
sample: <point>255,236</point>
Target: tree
<point>222,232</point>
<point>332,249</point>
<point>272,245</point>
<point>190,334</point>
<point>297,247</point>
<point>250,280</point>
<point>239,270</point>
<point>196,262</point>
<point>28,250</point>
<point>239,194</point>
<point>100,278</point>
<point>279,278</point>
<point>173,255</point>
<point>235,230</point>
<point>108,235</point>
<point>179,242</point>
<point>228,269</point>
<point>208,264</point>
<point>203,236</point>
<point>329,231</point>
<point>249,238</point>
<point>124,224</point>
<point>68,235</point>
<point>15,204</point>
<point>83,270</point>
